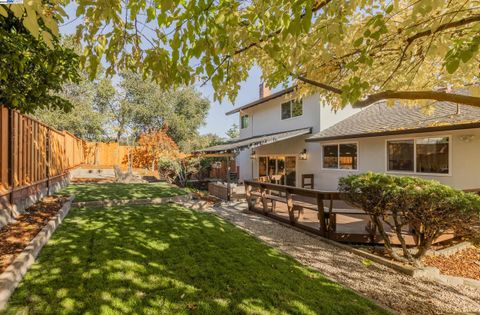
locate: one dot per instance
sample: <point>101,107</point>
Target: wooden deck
<point>340,222</point>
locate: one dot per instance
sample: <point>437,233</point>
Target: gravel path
<point>400,292</point>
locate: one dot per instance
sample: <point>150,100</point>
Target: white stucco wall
<point>329,117</point>
<point>266,118</point>
<point>372,156</point>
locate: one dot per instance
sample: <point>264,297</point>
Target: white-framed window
<point>243,121</point>
<point>422,155</point>
<point>293,108</point>
<point>342,156</point>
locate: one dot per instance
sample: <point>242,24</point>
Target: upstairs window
<point>340,156</point>
<point>421,155</point>
<point>292,109</point>
<point>244,122</point>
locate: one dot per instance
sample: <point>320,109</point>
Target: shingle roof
<point>381,119</point>
<point>256,141</point>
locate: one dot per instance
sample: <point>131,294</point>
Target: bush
<point>425,207</point>
<point>177,170</point>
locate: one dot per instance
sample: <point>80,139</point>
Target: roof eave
<point>262,100</point>
<point>395,132</point>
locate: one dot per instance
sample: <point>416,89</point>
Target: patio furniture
<point>307,181</point>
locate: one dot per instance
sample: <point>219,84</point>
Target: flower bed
<point>465,263</point>
<point>17,235</point>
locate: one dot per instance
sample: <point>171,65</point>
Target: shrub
<point>177,170</point>
<point>427,208</point>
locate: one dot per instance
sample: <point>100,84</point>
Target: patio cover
<point>253,142</point>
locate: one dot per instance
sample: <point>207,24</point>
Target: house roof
<point>262,100</point>
<point>380,119</point>
<point>256,141</point>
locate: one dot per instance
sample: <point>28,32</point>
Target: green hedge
<point>426,207</point>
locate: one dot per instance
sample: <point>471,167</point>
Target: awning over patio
<point>253,142</point>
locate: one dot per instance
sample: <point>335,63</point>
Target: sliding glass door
<point>280,169</point>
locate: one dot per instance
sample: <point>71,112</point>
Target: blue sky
<point>217,122</point>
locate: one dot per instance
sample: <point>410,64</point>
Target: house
<point>284,138</point>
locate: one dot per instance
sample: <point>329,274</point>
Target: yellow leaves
<point>3,11</point>
<point>30,22</point>
<point>48,39</point>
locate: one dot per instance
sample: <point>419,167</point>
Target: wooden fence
<point>32,155</point>
<point>102,154</point>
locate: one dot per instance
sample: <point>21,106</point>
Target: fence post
<point>47,159</point>
<point>11,151</point>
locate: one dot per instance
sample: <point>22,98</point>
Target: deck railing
<point>354,226</point>
<point>297,199</point>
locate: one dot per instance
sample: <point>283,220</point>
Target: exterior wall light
<point>303,155</point>
<point>467,138</point>
<point>253,155</point>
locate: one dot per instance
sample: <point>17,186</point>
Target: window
<point>292,109</point>
<point>400,155</point>
<point>432,155</point>
<point>340,156</point>
<point>422,155</point>
<point>243,121</point>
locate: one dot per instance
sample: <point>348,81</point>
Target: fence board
<point>38,151</point>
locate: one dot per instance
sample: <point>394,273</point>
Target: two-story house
<point>283,138</point>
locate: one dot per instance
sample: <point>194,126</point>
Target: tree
<point>151,147</point>
<point>425,207</point>
<point>352,51</point>
<point>84,120</point>
<point>33,68</point>
<point>233,132</point>
<point>138,105</point>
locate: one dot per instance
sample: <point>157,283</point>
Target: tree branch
<point>401,95</point>
<point>419,95</point>
<point>443,27</point>
<point>318,6</point>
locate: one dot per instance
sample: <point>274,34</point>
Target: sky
<point>217,122</point>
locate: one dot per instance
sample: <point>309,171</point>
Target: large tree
<point>33,63</point>
<point>85,120</point>
<point>138,105</point>
<point>352,51</point>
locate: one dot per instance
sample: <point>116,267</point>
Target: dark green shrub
<point>424,207</point>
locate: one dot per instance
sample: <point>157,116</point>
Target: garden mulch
<point>465,263</point>
<point>16,236</point>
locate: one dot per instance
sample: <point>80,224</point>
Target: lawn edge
<point>13,275</point>
<point>212,211</point>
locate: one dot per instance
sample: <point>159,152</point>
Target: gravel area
<point>400,292</point>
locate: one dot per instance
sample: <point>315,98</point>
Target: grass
<point>91,192</point>
<point>166,259</point>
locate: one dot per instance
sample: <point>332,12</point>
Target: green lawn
<point>90,192</point>
<point>166,259</point>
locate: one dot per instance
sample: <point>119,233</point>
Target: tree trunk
<point>398,231</point>
<point>386,239</point>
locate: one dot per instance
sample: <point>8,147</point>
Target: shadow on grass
<point>166,259</point>
<point>120,191</point>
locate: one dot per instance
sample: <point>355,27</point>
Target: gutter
<point>395,132</point>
